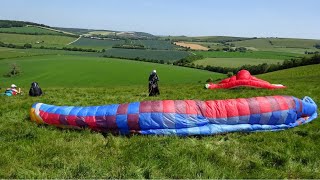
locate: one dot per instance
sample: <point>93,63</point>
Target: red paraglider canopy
<point>243,78</point>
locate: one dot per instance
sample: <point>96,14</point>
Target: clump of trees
<point>10,23</point>
<point>15,70</point>
<point>25,46</point>
<point>317,45</point>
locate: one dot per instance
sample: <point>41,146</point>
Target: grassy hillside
<point>77,71</point>
<point>234,62</point>
<point>32,151</point>
<point>249,54</point>
<point>36,40</point>
<point>7,53</point>
<point>280,44</point>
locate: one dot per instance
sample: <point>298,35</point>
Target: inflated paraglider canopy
<point>183,117</point>
<point>243,78</point>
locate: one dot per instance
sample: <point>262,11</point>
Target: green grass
<point>43,40</point>
<point>29,29</point>
<point>249,54</point>
<point>234,62</point>
<point>7,53</point>
<point>32,151</point>
<point>79,71</point>
<point>167,56</point>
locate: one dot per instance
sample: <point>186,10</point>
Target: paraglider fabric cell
<point>243,78</point>
<point>183,117</point>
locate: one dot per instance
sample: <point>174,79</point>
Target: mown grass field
<point>37,151</point>
<point>43,40</point>
<point>234,62</point>
<point>79,71</point>
<point>29,29</point>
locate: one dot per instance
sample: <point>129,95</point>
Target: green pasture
<point>29,29</point>
<point>249,54</point>
<point>167,56</point>
<point>274,43</point>
<point>234,62</point>
<point>36,40</point>
<point>86,71</point>
<point>30,151</point>
<point>7,53</point>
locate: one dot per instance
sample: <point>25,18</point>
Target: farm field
<point>79,71</point>
<point>43,40</point>
<point>191,46</point>
<point>108,43</point>
<point>234,62</point>
<point>167,56</point>
<point>96,44</point>
<point>38,151</point>
<point>29,29</point>
<point>275,43</point>
<point>7,53</point>
<point>249,54</point>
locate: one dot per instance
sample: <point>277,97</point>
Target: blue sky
<point>247,18</point>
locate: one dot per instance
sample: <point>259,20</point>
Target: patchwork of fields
<point>108,43</point>
<point>167,56</point>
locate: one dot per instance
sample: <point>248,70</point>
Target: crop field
<point>234,62</point>
<point>37,151</point>
<point>192,46</point>
<point>203,38</point>
<point>167,56</point>
<point>249,54</point>
<point>108,43</point>
<point>36,40</point>
<point>96,44</point>
<point>29,29</point>
<point>78,71</point>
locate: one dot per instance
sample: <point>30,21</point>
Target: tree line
<point>28,46</point>
<point>10,23</point>
<point>40,33</point>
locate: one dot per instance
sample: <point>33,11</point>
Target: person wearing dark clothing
<point>153,84</point>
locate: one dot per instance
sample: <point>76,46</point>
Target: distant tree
<point>15,70</point>
<point>27,46</point>
<point>317,45</point>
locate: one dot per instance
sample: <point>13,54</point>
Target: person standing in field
<point>153,84</point>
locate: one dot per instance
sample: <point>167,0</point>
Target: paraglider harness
<point>35,90</point>
<point>153,85</point>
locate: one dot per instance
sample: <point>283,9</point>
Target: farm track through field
<point>74,40</point>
